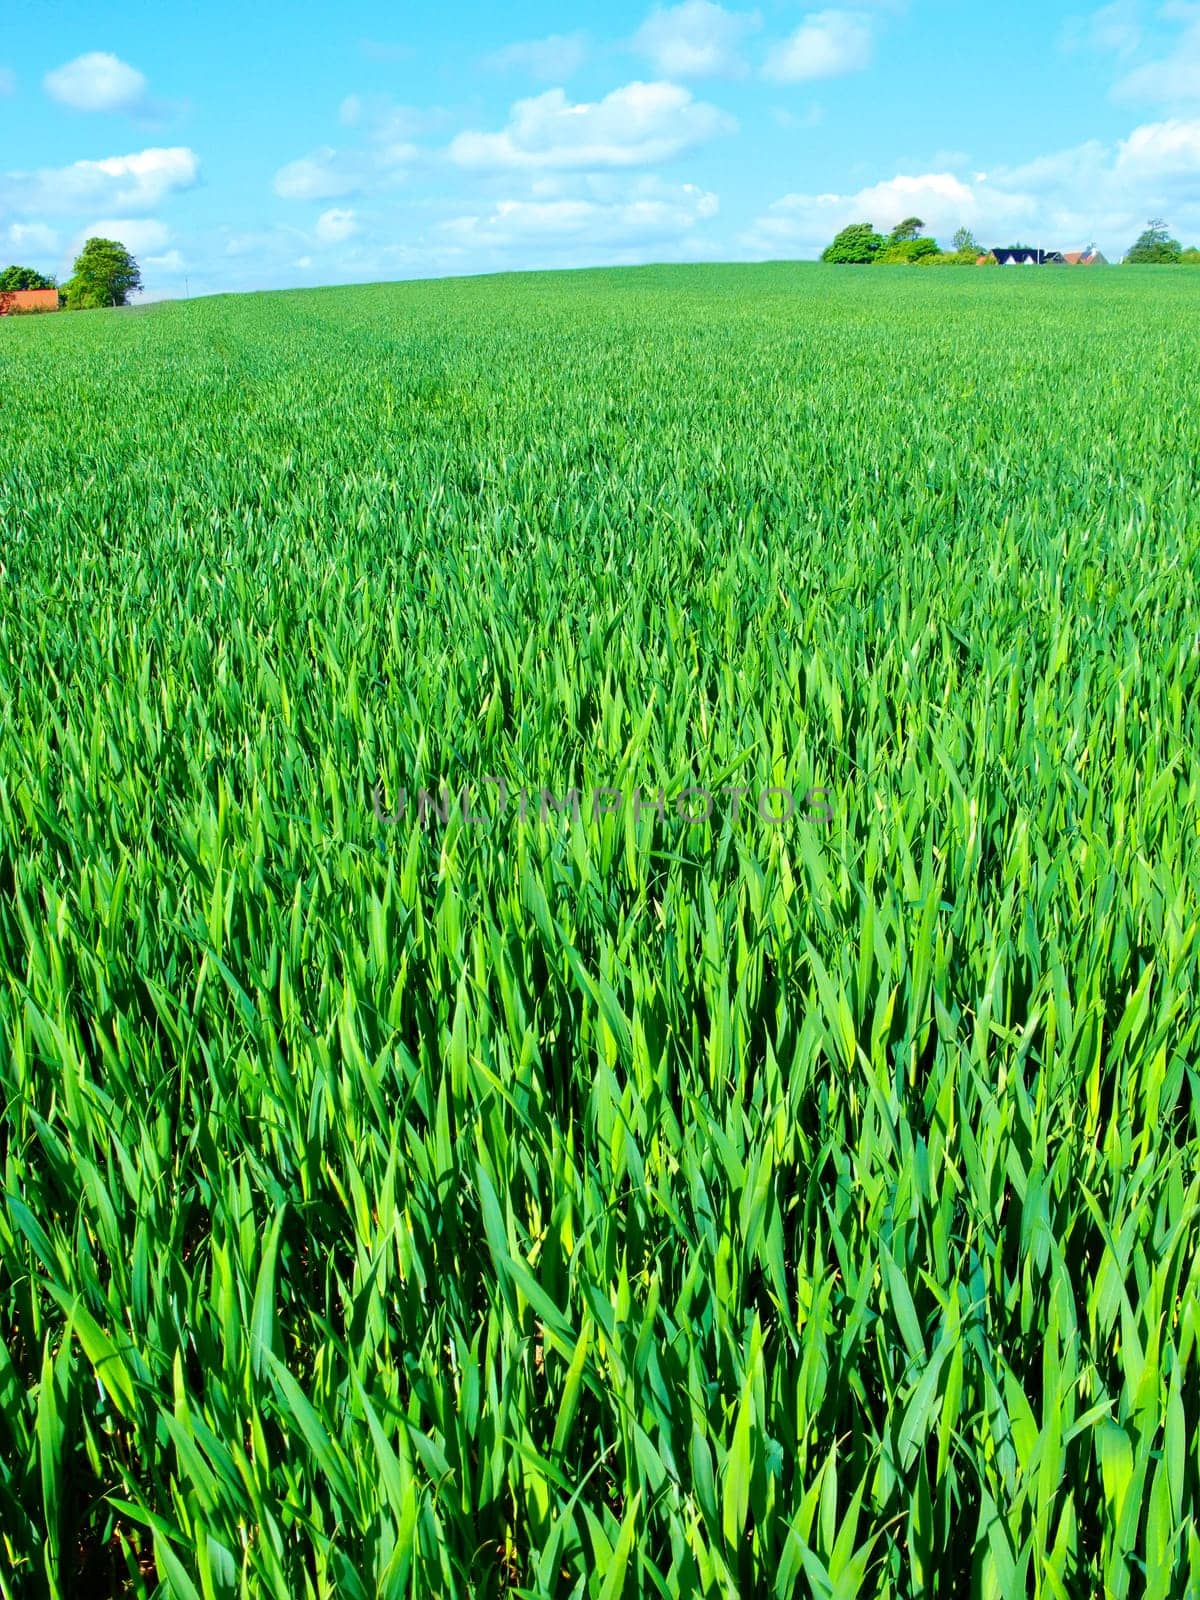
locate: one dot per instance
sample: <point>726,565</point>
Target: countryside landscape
<point>598,898</point>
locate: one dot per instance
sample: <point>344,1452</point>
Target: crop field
<point>791,1188</point>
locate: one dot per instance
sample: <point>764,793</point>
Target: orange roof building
<point>15,301</point>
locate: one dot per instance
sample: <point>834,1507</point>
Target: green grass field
<point>615,1205</point>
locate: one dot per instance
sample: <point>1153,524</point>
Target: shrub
<point>907,252</point>
<point>950,258</point>
<point>1154,247</point>
<point>856,246</point>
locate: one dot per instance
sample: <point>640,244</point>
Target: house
<point>1026,256</point>
<point>15,301</point>
<point>1020,256</point>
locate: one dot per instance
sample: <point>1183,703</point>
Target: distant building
<point>1020,256</point>
<point>15,301</point>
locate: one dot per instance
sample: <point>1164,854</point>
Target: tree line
<point>105,274</point>
<point>1156,248</point>
<point>908,245</point>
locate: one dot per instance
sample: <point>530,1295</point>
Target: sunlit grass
<point>622,1206</point>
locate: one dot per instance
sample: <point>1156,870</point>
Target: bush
<point>1155,247</point>
<point>18,278</point>
<point>856,246</point>
<point>951,258</point>
<point>907,252</point>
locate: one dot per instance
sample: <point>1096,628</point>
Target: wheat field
<point>415,1186</point>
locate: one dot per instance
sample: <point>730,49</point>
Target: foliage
<point>1154,247</point>
<point>858,245</point>
<point>1191,257</point>
<point>905,231</point>
<point>965,243</point>
<point>907,252</point>
<point>17,278</point>
<point>105,275</point>
<point>949,258</point>
<point>612,1207</point>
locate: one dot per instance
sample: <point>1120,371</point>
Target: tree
<point>24,278</point>
<point>1155,247</point>
<point>1191,258</point>
<point>907,252</point>
<point>105,275</point>
<point>951,258</point>
<point>965,242</point>
<point>910,228</point>
<point>855,246</point>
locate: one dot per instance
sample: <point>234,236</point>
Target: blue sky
<point>258,146</point>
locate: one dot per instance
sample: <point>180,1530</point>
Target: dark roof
<point>1025,254</point>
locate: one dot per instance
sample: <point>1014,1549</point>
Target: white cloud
<point>139,235</point>
<point>276,241</point>
<point>553,59</point>
<point>335,226</point>
<point>172,261</point>
<point>696,39</point>
<point>8,81</point>
<point>135,182</point>
<point>1115,29</point>
<point>647,213</point>
<point>324,175</point>
<point>806,223</point>
<point>795,121</point>
<point>827,44</point>
<point>380,159</point>
<point>97,82</point>
<point>1171,80</point>
<point>34,236</point>
<point>384,123</point>
<point>1062,200</point>
<point>637,125</point>
<point>1162,150</point>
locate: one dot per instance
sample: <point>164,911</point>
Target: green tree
<point>1191,258</point>
<point>1155,247</point>
<point>907,252</point>
<point>23,278</point>
<point>950,258</point>
<point>965,242</point>
<point>855,246</point>
<point>905,231</point>
<point>105,275</point>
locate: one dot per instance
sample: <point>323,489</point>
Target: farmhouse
<point>1027,256</point>
<point>1024,256</point>
<point>15,301</point>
